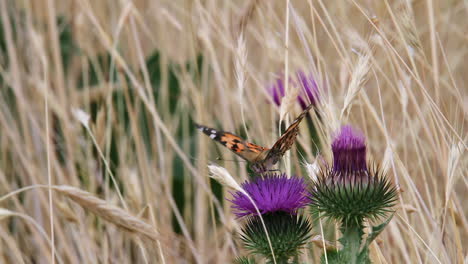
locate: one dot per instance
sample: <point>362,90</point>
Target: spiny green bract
<point>288,233</point>
<point>244,260</point>
<point>353,201</point>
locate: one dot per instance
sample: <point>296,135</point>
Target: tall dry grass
<point>146,70</point>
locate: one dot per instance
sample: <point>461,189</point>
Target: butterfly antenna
<point>219,158</point>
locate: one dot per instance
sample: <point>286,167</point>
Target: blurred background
<point>145,71</point>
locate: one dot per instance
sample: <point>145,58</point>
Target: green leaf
<point>376,230</point>
<point>363,257</point>
<point>68,48</point>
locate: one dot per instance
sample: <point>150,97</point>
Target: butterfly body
<point>260,159</point>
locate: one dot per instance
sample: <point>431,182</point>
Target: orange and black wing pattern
<point>285,142</point>
<point>246,150</point>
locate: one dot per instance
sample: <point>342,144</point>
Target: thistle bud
<point>349,190</point>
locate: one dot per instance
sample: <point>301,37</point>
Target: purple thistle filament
<point>277,91</point>
<point>349,151</point>
<point>272,193</point>
<point>308,89</point>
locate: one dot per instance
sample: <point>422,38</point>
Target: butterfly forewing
<point>236,144</point>
<point>285,142</point>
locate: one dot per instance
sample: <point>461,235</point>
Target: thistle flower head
<point>305,83</point>
<point>271,193</point>
<point>349,190</point>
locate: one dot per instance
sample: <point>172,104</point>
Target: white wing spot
<point>212,136</point>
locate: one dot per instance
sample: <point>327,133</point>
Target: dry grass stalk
<point>222,176</point>
<point>358,79</point>
<point>246,15</point>
<point>240,64</point>
<point>111,213</point>
<point>406,16</point>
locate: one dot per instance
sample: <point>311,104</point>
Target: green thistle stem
<point>351,240</point>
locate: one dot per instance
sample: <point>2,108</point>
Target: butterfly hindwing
<point>236,144</point>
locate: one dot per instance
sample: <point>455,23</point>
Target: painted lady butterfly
<point>260,159</point>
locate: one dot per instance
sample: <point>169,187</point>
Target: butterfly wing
<point>246,150</point>
<point>285,142</point>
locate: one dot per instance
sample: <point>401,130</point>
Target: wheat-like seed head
<point>111,213</point>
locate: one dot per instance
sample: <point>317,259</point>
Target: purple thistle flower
<point>349,151</point>
<point>308,89</point>
<point>271,193</point>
